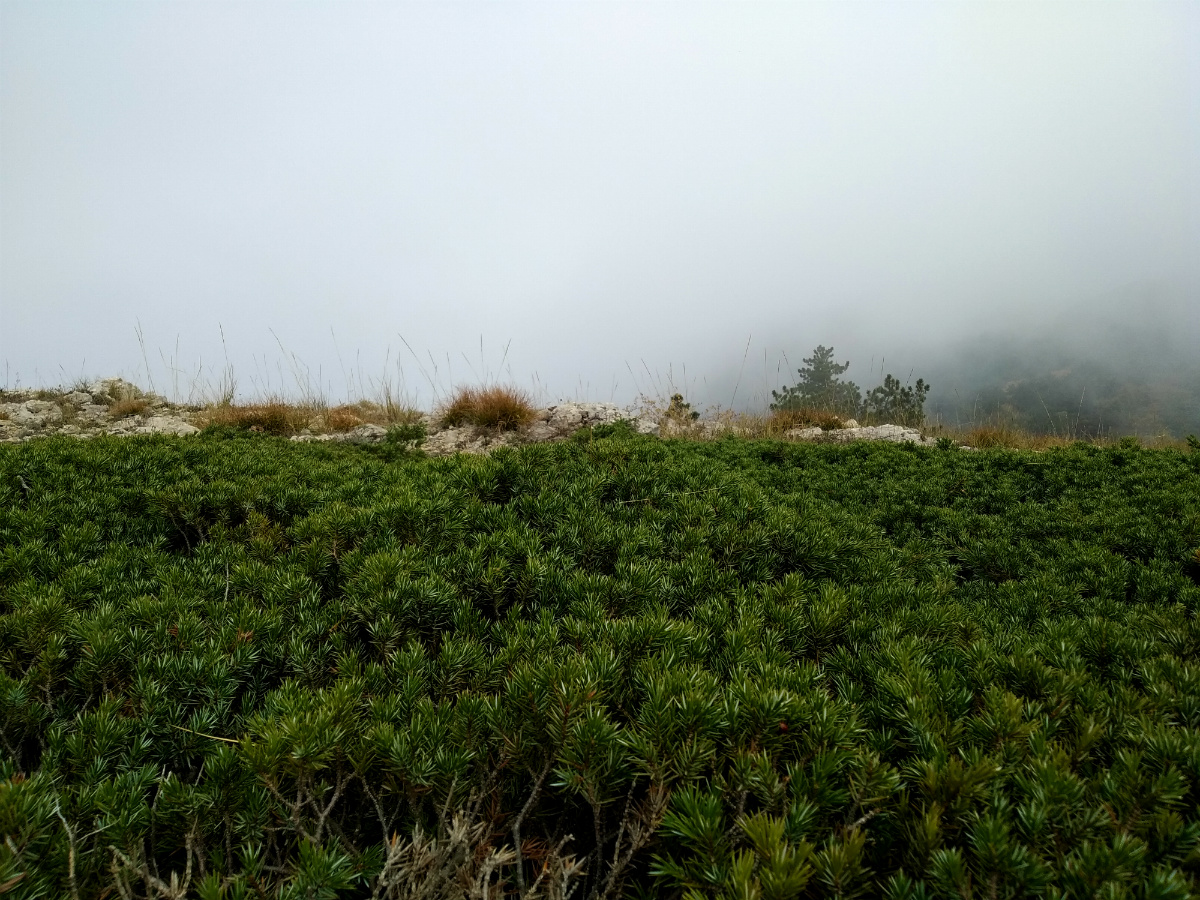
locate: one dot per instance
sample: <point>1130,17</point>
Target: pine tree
<point>819,387</point>
<point>898,405</point>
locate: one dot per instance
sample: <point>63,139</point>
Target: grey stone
<point>36,413</point>
<point>165,425</point>
<point>468,439</point>
<point>93,412</point>
<point>804,434</point>
<point>363,434</point>
<point>894,433</point>
<point>553,423</point>
<point>113,390</point>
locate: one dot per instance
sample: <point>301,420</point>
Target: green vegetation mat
<point>236,667</point>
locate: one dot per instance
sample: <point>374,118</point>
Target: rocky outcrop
<point>116,407</point>
<point>108,406</point>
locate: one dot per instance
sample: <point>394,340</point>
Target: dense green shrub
<point>412,434</point>
<point>621,428</point>
<point>246,667</point>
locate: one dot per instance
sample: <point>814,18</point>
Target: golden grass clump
<point>505,408</point>
<point>128,407</point>
<point>387,413</point>
<point>343,418</point>
<point>272,417</point>
<point>985,437</point>
<point>805,417</point>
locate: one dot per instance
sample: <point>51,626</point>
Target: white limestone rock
<point>553,423</point>
<point>35,413</point>
<point>804,434</point>
<point>165,425</point>
<point>563,419</point>
<point>111,390</point>
<point>363,434</point>
<point>898,434</point>
<point>92,412</point>
<point>854,432</point>
<point>468,439</point>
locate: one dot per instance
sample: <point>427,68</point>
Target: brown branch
<point>516,827</point>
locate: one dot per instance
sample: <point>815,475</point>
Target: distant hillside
<point>1135,370</point>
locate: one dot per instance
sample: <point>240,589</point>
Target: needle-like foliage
<point>236,666</point>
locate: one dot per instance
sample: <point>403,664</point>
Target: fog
<point>597,201</point>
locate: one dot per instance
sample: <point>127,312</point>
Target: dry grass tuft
<point>782,420</point>
<point>389,411</point>
<point>343,418</point>
<point>987,436</point>
<point>277,417</point>
<point>129,407</point>
<point>366,411</point>
<point>272,417</point>
<point>506,408</point>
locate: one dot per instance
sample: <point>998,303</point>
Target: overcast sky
<point>605,189</point>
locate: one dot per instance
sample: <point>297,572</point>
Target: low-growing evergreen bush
<point>620,668</point>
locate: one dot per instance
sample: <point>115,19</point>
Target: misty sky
<point>600,187</point>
